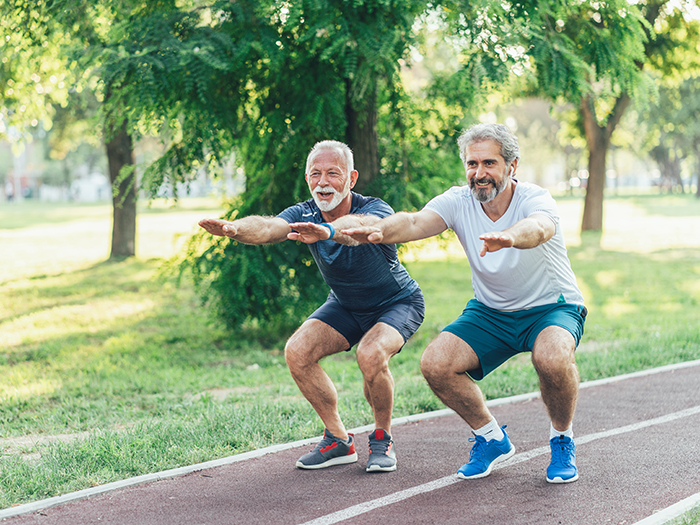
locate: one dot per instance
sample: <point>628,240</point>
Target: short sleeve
<point>445,205</point>
<point>292,214</point>
<point>541,202</point>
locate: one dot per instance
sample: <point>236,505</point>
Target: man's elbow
<point>544,234</point>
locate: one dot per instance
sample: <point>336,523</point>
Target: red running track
<point>637,449</point>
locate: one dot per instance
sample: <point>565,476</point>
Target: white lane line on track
<point>672,512</point>
<point>367,506</point>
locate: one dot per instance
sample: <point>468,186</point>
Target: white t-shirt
<point>510,279</point>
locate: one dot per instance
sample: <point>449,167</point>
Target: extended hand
<point>308,232</point>
<point>219,227</point>
<point>494,241</point>
<point>365,234</point>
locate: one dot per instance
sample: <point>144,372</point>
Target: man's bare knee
<point>432,365</point>
<point>297,354</point>
<point>553,350</point>
<point>371,363</point>
<point>553,362</point>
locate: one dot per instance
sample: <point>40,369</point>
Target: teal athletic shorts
<point>496,336</point>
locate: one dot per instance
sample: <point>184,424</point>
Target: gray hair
<point>500,133</point>
<point>342,149</point>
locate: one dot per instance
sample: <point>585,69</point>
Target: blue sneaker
<point>484,455</point>
<point>562,469</point>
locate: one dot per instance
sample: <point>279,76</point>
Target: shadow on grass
<point>107,338</point>
<point>109,278</point>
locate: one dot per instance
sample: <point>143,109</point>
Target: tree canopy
<point>612,50</point>
<point>266,79</point>
<point>317,70</point>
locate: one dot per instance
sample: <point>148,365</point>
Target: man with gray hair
<point>373,303</point>
<point>526,297</point>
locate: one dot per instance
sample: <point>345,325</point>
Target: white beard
<point>335,201</point>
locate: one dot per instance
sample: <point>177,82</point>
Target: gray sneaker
<point>382,456</point>
<point>328,452</point>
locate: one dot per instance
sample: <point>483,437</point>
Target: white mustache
<point>325,189</point>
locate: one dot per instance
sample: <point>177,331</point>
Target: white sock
<point>490,431</point>
<point>569,432</point>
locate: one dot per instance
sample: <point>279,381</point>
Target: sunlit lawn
<point>120,354</point>
<point>45,239</point>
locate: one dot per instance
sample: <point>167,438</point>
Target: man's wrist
<point>330,228</point>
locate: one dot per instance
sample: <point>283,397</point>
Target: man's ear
<point>513,167</point>
<point>353,178</point>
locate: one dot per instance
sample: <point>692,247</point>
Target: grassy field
<point>109,370</point>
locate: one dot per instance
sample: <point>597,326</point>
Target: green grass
<point>119,355</point>
<point>692,517</point>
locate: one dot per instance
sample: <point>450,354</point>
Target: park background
<point>131,343</point>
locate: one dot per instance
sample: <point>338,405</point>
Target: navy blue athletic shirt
<point>362,278</point>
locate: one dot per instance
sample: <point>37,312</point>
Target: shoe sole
<point>499,459</point>
<point>341,460</point>
<point>560,480</point>
<point>377,468</point>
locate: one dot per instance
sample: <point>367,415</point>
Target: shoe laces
<point>478,447</point>
<point>562,450</point>
<point>325,441</point>
<point>379,446</point>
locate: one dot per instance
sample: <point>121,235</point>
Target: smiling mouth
<point>484,183</point>
<point>325,192</point>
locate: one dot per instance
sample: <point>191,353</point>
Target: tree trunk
<point>120,154</point>
<point>676,175</point>
<point>669,163</point>
<point>361,136</point>
<point>595,185</point>
<point>598,139</point>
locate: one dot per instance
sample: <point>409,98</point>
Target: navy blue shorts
<point>406,316</point>
<point>496,336</point>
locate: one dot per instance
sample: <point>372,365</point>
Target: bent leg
<point>444,364</point>
<point>554,361</point>
<point>313,341</point>
<point>374,351</point>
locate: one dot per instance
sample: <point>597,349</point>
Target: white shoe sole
<point>377,468</point>
<point>341,460</point>
<point>499,459</point>
<point>560,480</point>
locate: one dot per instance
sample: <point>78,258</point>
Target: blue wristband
<point>331,228</point>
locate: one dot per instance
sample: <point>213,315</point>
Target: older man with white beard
<point>373,302</point>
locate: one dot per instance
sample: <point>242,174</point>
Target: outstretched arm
<point>400,227</point>
<point>310,232</point>
<point>249,230</point>
<point>530,232</point>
